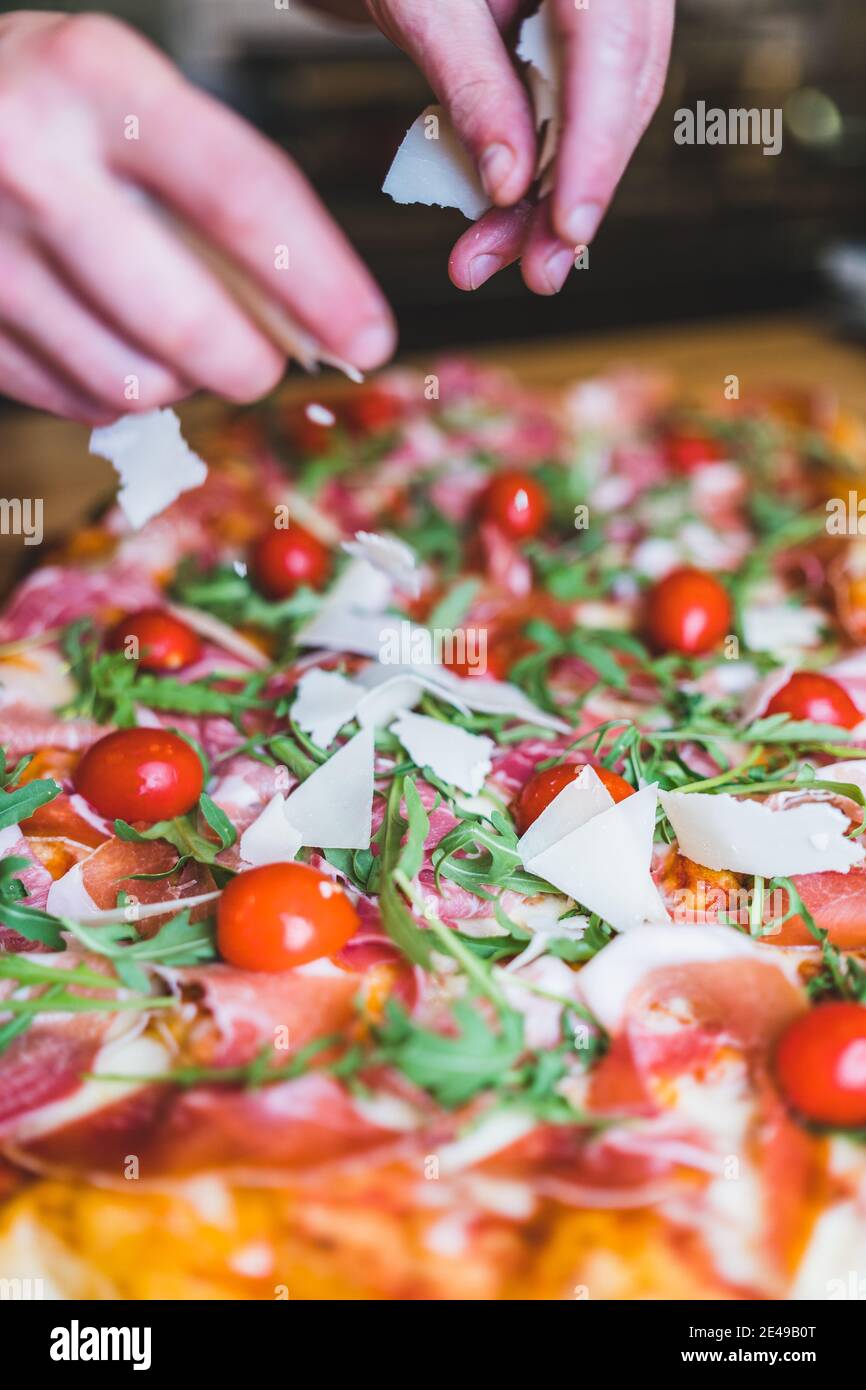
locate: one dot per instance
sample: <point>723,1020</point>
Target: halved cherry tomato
<point>821,1064</point>
<point>688,611</point>
<point>284,560</point>
<point>517,503</point>
<point>544,786</point>
<point>164,642</point>
<point>140,774</point>
<point>819,699</point>
<point>372,410</point>
<point>282,915</point>
<point>687,452</point>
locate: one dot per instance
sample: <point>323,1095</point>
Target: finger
<point>494,242</point>
<point>458,46</point>
<point>246,197</point>
<point>45,312</point>
<point>25,378</point>
<point>546,262</point>
<point>155,292</point>
<point>616,55</point>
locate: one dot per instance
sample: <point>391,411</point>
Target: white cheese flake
<point>393,558</point>
<point>458,757</point>
<point>578,802</point>
<point>605,863</point>
<point>721,832</point>
<point>324,702</point>
<point>333,808</point>
<point>433,167</point>
<point>153,460</point>
<point>271,839</point>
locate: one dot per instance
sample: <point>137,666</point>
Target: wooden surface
<point>48,458</point>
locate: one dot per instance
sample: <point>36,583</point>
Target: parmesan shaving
<point>152,459</point>
<point>456,756</point>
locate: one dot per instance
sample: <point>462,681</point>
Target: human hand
<point>615,57</point>
<point>99,296</point>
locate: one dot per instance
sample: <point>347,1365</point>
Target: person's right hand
<point>95,288</point>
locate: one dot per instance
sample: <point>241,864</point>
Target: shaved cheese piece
<point>497,697</point>
<point>455,755</point>
<point>324,702</point>
<point>388,697</point>
<point>605,864</point>
<point>433,167</point>
<point>362,588</point>
<point>9,836</point>
<point>538,44</point>
<point>218,632</point>
<point>333,809</point>
<point>851,770</point>
<point>68,897</point>
<point>779,627</point>
<point>340,630</point>
<point>153,460</point>
<point>607,982</point>
<point>39,678</point>
<point>270,839</point>
<point>721,832</point>
<point>578,802</point>
<point>390,556</point>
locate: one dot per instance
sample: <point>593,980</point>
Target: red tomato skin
<point>284,560</point>
<point>373,410</point>
<point>311,437</point>
<point>140,775</point>
<point>821,1065</point>
<point>516,503</point>
<point>544,786</point>
<point>820,699</point>
<point>503,650</point>
<point>282,915</point>
<point>688,611</point>
<point>165,643</point>
<point>688,452</point>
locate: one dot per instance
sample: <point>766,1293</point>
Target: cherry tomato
<point>688,611</point>
<point>517,503</point>
<point>282,915</point>
<point>310,436</point>
<point>687,452</point>
<point>373,410</point>
<point>165,643</point>
<point>821,1064</point>
<point>809,695</point>
<point>544,786</point>
<point>284,560</point>
<point>495,659</point>
<point>140,774</point>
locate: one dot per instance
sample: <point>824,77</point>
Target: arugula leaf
<point>396,917</point>
<point>179,942</point>
<point>228,593</point>
<point>452,608</point>
<point>453,1069</point>
<point>183,833</point>
<point>17,805</point>
<point>29,922</point>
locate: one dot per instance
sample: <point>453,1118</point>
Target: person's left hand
<point>614,68</point>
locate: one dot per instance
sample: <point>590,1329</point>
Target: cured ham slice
<point>111,868</point>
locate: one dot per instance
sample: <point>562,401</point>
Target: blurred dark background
<point>694,231</point>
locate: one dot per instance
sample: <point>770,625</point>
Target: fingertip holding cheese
<point>152,459</point>
<point>432,166</point>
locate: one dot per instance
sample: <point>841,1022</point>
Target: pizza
<point>432,860</point>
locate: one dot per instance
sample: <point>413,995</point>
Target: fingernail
<point>581,224</point>
<point>556,268</point>
<point>482,267</point>
<point>371,346</point>
<point>495,164</point>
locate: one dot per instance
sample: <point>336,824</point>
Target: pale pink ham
<point>24,729</point>
<point>37,880</point>
<point>56,595</point>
